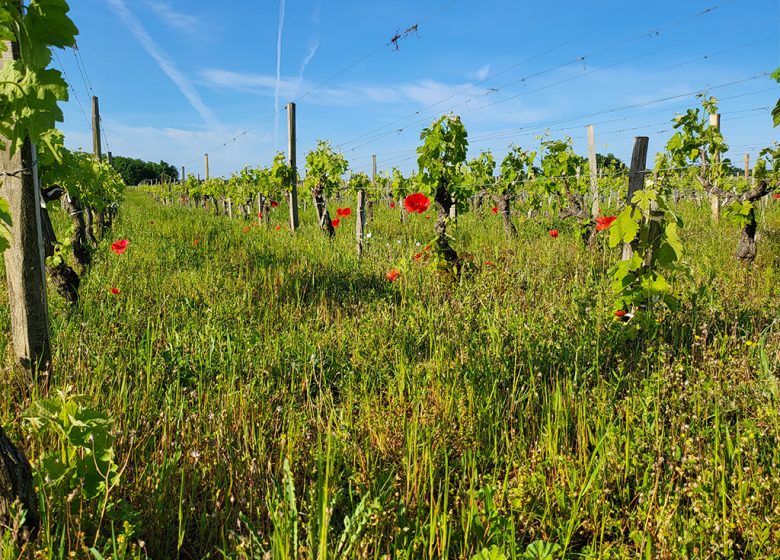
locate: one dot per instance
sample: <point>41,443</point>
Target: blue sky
<point>179,78</point>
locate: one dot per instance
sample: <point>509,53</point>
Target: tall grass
<point>274,396</point>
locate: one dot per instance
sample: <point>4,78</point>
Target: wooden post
<point>24,260</point>
<point>291,143</point>
<point>229,208</point>
<point>747,167</point>
<point>361,220</point>
<point>206,166</point>
<point>110,157</point>
<point>714,200</point>
<point>183,176</point>
<point>636,179</point>
<point>593,168</point>
<point>96,149</point>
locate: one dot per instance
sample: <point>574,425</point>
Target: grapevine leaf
<point>624,229</point>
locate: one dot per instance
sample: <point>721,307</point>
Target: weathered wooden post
<point>291,140</point>
<point>26,278</point>
<point>714,200</point>
<point>361,220</point>
<point>747,167</point>
<point>636,179</point>
<point>206,166</point>
<point>593,168</point>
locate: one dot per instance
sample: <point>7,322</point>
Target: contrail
<point>164,61</point>
<point>278,71</point>
<point>313,46</point>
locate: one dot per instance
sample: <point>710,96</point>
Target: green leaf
<point>52,468</point>
<point>625,228</point>
<point>540,550</point>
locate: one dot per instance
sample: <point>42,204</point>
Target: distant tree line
<point>136,171</point>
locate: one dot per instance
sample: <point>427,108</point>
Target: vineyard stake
<point>714,200</point>
<point>292,160</point>
<point>24,260</point>
<point>594,180</point>
<point>636,179</point>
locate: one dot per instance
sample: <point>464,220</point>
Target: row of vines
<point>549,178</point>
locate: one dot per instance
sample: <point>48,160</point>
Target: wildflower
<point>392,205</point>
<point>490,263</point>
<point>343,212</point>
<point>494,210</point>
<point>776,195</point>
<point>393,275</point>
<point>416,202</point>
<point>119,247</point>
<point>278,228</point>
<point>335,222</point>
<point>368,235</point>
<point>418,256</point>
<point>603,222</point>
<point>195,241</point>
<point>274,204</point>
<point>115,291</point>
<point>553,233</point>
<point>620,313</point>
<point>427,248</point>
<point>246,229</point>
<point>259,214</point>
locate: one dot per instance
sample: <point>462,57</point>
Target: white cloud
<point>174,18</point>
<point>164,61</point>
<point>480,74</point>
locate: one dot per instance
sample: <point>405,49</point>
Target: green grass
<point>272,393</point>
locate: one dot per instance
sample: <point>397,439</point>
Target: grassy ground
<point>271,396</point>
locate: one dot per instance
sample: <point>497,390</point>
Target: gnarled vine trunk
<point>503,205</point>
<point>747,249</point>
<point>16,492</point>
<point>64,277</point>
<point>89,223</point>
<point>444,205</point>
<point>323,217</point>
<point>79,243</point>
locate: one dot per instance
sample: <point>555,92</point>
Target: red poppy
<point>393,275</point>
<point>620,313</point>
<point>392,205</point>
<point>259,214</point>
<point>278,228</point>
<point>427,217</point>
<point>119,247</point>
<point>195,241</point>
<point>553,233</point>
<point>490,263</point>
<point>115,291</point>
<point>494,210</point>
<point>427,248</point>
<point>335,222</point>
<point>603,222</point>
<point>246,229</point>
<point>776,195</point>
<point>346,212</point>
<point>274,204</point>
<point>418,256</point>
<point>416,202</point>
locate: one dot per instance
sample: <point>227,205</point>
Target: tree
<point>136,171</point>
